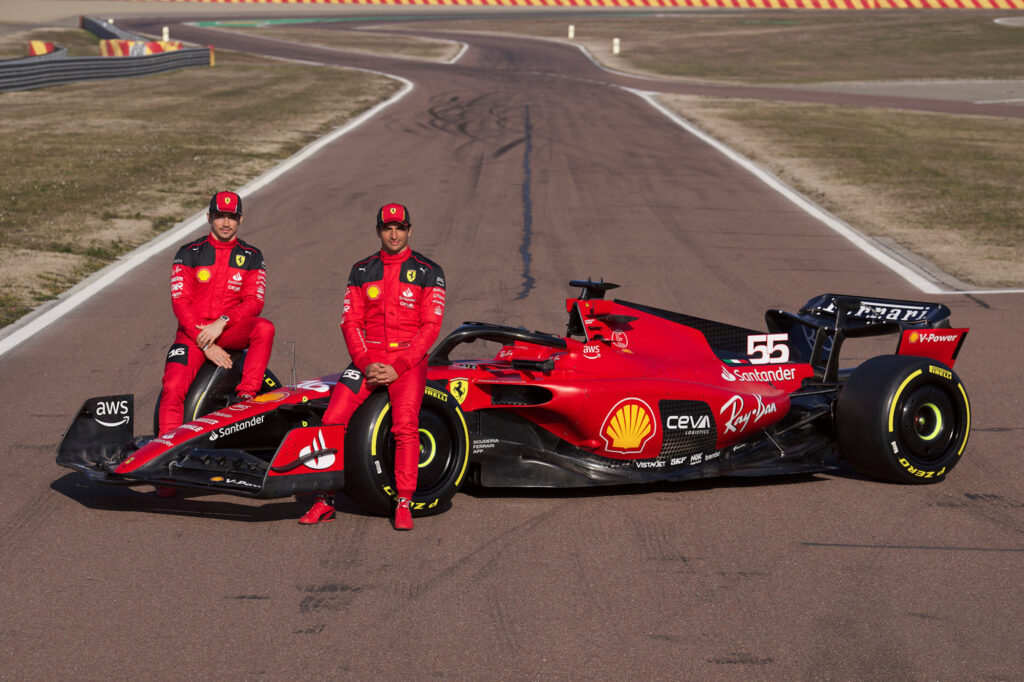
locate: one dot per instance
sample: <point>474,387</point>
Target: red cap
<point>393,213</point>
<point>226,202</point>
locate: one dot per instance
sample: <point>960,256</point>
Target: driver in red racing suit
<point>394,306</point>
<point>217,291</point>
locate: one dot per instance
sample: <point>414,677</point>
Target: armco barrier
<point>57,68</point>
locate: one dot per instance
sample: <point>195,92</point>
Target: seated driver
<point>218,284</point>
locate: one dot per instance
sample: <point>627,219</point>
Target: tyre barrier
<point>56,68</point>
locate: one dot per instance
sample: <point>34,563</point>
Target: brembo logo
<point>628,426</point>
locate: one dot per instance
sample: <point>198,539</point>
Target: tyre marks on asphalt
<point>524,247</point>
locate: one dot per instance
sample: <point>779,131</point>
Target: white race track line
<point>41,318</point>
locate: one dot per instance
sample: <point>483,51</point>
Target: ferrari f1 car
<point>630,394</point>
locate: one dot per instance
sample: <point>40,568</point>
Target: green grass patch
<point>92,170</point>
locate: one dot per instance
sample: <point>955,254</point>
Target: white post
<point>166,34</point>
<point>615,45</point>
<point>572,31</point>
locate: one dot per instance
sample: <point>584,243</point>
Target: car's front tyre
<point>370,454</point>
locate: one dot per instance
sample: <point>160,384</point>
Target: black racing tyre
<point>370,454</point>
<point>213,387</point>
<point>904,419</point>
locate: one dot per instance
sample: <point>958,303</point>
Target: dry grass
<point>81,188</point>
<point>78,43</point>
<point>791,46</point>
<point>946,187</point>
<point>327,35</point>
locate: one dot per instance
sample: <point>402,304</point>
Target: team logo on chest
<point>239,260</point>
<point>410,275</point>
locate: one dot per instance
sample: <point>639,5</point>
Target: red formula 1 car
<point>630,394</point>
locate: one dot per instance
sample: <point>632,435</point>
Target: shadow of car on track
<point>681,487</point>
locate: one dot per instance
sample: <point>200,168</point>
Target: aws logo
<point>628,426</point>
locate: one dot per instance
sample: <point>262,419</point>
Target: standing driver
<point>392,315</point>
<point>218,285</point>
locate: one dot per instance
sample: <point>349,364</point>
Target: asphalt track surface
<point>524,166</point>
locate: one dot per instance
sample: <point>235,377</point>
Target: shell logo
<point>204,275</point>
<point>914,337</point>
<point>373,292</point>
<point>270,397</point>
<point>628,426</point>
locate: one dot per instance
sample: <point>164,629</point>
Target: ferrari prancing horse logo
<point>410,275</point>
<point>459,388</point>
<point>239,260</point>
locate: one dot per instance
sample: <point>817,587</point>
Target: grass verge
<point>946,187</point>
<point>92,170</point>
<point>329,35</point>
<point>790,46</point>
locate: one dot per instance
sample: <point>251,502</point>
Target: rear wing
<point>817,331</point>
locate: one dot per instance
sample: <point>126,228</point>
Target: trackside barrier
<point>661,4</point>
<point>137,48</point>
<point>57,68</point>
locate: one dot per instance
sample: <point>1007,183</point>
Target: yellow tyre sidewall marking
<point>896,398</point>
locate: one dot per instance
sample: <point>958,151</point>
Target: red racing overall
<point>210,279</point>
<point>393,311</point>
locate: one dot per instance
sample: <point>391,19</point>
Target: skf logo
<point>318,443</point>
<point>410,275</point>
<point>628,426</point>
<point>459,388</point>
<point>203,275</point>
<point>372,292</point>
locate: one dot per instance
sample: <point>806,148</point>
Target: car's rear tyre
<point>904,419</point>
<point>213,387</point>
<point>370,454</point>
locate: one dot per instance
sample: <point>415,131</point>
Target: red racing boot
<point>322,510</point>
<point>403,515</point>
